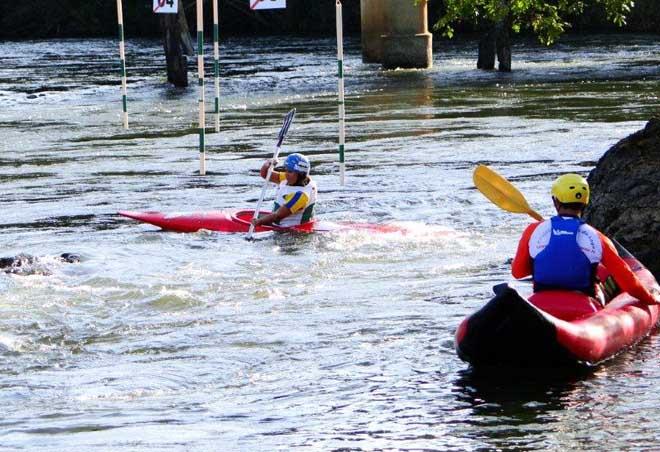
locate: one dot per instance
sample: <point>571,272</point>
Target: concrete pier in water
<point>395,34</point>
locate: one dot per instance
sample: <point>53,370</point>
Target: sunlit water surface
<point>163,341</point>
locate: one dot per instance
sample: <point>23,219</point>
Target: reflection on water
<point>332,342</point>
<point>490,391</point>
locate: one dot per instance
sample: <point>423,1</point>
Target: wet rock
<point>70,257</point>
<point>26,264</point>
<point>625,189</point>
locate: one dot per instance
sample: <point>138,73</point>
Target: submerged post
<point>200,71</point>
<point>216,63</point>
<point>122,59</point>
<point>340,92</point>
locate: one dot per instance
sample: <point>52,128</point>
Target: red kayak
<point>556,328</point>
<point>238,221</point>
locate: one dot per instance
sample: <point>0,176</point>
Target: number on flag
<point>166,6</point>
<point>267,4</point>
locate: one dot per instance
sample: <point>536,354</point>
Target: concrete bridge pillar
<point>395,33</point>
<point>372,18</point>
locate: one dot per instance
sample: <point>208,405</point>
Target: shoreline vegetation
<point>39,19</point>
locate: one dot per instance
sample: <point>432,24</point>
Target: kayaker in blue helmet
<point>564,252</point>
<point>296,193</point>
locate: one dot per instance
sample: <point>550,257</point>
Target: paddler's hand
<point>263,172</point>
<point>255,222</point>
<point>656,294</point>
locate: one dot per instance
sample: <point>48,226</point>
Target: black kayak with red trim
<point>556,328</point>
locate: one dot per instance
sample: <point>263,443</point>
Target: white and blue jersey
<point>300,200</point>
<point>565,252</point>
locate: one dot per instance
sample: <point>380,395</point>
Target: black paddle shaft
<point>288,119</point>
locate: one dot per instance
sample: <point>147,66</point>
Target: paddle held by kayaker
<point>563,253</point>
<point>296,193</point>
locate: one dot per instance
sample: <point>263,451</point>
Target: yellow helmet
<point>571,188</point>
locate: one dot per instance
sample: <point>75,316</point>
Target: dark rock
<point>70,258</point>
<point>625,187</point>
<point>26,264</point>
<point>19,264</point>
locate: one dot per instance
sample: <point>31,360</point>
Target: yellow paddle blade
<point>501,192</point>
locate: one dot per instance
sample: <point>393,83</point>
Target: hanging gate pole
<point>340,89</point>
<point>122,58</point>
<point>216,63</point>
<point>200,71</point>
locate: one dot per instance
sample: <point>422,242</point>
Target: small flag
<point>267,4</point>
<point>166,6</point>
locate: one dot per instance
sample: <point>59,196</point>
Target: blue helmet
<point>297,163</point>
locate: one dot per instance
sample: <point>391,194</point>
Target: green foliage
<point>548,19</point>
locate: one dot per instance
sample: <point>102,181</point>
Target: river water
<point>164,341</point>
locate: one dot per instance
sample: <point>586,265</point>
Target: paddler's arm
<point>624,277</point>
<point>276,177</point>
<point>522,263</point>
<point>294,203</point>
<point>274,217</point>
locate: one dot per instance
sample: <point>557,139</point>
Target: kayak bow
<point>556,328</point>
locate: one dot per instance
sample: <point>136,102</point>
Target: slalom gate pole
<point>200,71</point>
<point>340,90</point>
<point>216,63</point>
<point>122,59</point>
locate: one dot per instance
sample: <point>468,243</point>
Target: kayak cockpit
<point>245,217</point>
<point>565,305</point>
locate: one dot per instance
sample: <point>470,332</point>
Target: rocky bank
<point>625,188</point>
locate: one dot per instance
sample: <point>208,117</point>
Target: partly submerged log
<point>177,44</point>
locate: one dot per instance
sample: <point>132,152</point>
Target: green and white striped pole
<point>200,71</point>
<point>122,59</point>
<point>216,63</point>
<point>342,111</point>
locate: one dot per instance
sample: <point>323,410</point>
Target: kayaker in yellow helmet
<point>296,193</point>
<point>564,252</point>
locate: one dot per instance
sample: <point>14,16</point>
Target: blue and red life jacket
<point>562,264</point>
